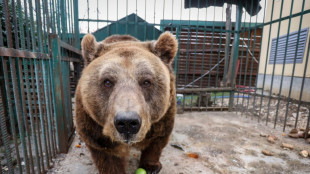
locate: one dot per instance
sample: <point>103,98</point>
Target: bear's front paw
<point>151,167</point>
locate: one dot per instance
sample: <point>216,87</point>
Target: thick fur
<point>126,62</point>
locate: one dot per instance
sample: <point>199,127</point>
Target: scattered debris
<point>192,155</point>
<point>294,131</point>
<point>304,153</point>
<point>82,154</point>
<point>78,146</point>
<point>283,134</point>
<point>273,137</point>
<point>308,140</point>
<point>287,146</point>
<point>293,135</point>
<point>177,146</point>
<point>267,153</point>
<point>263,135</point>
<point>301,134</point>
<point>271,140</point>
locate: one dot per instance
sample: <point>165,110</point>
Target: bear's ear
<point>90,48</point>
<point>165,47</point>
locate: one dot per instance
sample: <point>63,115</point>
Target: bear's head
<point>126,84</point>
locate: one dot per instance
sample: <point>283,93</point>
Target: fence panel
<point>36,55</point>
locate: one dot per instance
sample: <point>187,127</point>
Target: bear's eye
<point>146,83</point>
<point>108,83</point>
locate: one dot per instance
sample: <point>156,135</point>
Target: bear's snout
<point>127,123</point>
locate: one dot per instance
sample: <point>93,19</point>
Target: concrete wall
<point>297,6</point>
<point>296,86</point>
<point>283,30</point>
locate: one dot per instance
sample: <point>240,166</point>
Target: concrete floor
<point>225,142</point>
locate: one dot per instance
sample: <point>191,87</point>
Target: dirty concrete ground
<point>225,142</point>
<point>280,112</point>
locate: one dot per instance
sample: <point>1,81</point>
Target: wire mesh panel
<point>32,128</point>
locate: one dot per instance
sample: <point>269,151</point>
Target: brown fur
<point>126,62</point>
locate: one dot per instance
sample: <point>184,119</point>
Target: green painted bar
<point>36,111</point>
<point>235,53</point>
<point>265,68</point>
<point>76,25</point>
<point>58,97</point>
<point>260,50</point>
<point>38,70</point>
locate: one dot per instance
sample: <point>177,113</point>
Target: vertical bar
<point>236,53</point>
<point>302,86</point>
<point>76,24</point>
<point>64,20</point>
<point>58,97</point>
<point>247,59</point>
<point>53,116</point>
<point>203,56</point>
<point>15,24</point>
<point>27,25</point>
<point>154,20</point>
<point>98,14</point>
<point>227,41</point>
<point>41,112</point>
<point>35,101</point>
<point>218,60</point>
<point>32,30</point>
<point>108,26</point>
<point>257,73</point>
<point>195,57</point>
<point>212,45</point>
<point>20,21</point>
<point>253,54</point>
<point>45,109</point>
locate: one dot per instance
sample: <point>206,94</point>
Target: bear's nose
<point>127,123</point>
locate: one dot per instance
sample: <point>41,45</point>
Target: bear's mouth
<point>128,138</point>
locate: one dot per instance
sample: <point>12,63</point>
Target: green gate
<point>40,64</point>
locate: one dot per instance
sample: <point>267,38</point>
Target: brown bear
<point>126,99</point>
